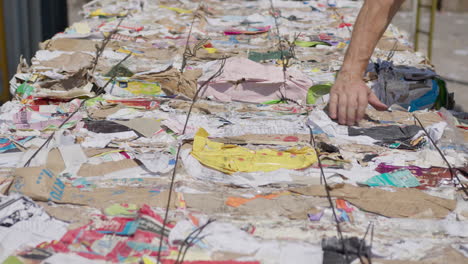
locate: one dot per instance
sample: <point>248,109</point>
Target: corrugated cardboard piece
<point>42,184</point>
<point>89,170</point>
<point>402,202</point>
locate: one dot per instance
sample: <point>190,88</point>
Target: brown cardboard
<point>66,44</point>
<point>173,82</point>
<point>69,62</point>
<point>103,111</point>
<point>74,81</point>
<point>406,118</point>
<point>291,206</point>
<point>145,126</point>
<point>41,184</point>
<point>399,203</point>
<point>89,170</point>
<point>55,161</point>
<point>437,256</point>
<point>388,44</point>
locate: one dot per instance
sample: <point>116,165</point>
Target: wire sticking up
<point>452,175</point>
<point>275,17</point>
<point>174,171</point>
<point>391,53</point>
<point>98,93</point>
<point>363,243</point>
<point>189,241</point>
<point>285,60</point>
<point>195,97</point>
<point>281,48</point>
<point>188,53</point>
<point>327,190</point>
<point>105,41</point>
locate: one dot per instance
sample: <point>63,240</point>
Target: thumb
<point>376,103</point>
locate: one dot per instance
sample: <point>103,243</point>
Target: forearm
<point>372,21</point>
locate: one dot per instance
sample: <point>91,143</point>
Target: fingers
<point>333,106</point>
<point>362,105</point>
<point>343,102</point>
<point>376,103</point>
<point>351,109</point>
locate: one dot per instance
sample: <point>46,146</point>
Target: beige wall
<point>455,5</point>
<point>74,8</point>
<point>447,5</point>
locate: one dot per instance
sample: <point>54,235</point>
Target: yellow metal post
<point>418,24</point>
<point>432,7</point>
<point>5,93</point>
<point>431,29</point>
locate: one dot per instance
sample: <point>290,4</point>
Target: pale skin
<point>350,95</point>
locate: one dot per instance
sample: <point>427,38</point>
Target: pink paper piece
<point>248,81</point>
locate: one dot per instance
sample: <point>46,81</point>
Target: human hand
<point>349,97</point>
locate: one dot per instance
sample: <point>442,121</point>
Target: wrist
<point>350,75</point>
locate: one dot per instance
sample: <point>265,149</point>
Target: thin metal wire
<point>105,41</point>
<point>195,233</point>
<point>452,175</point>
<point>195,97</point>
<point>371,243</point>
<point>363,242</point>
<point>281,49</point>
<point>327,190</point>
<point>393,50</point>
<point>174,171</point>
<point>187,51</point>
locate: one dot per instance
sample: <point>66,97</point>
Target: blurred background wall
<point>25,23</point>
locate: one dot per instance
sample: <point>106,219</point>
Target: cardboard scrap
<point>173,82</point>
<point>411,203</point>
<point>145,126</point>
<point>64,95</point>
<point>69,62</point>
<point>77,80</point>
<point>67,44</point>
<point>42,184</point>
<point>102,112</point>
<point>75,215</point>
<point>90,170</point>
<point>439,255</point>
<point>389,44</point>
<point>285,204</point>
<point>405,118</point>
<point>55,161</point>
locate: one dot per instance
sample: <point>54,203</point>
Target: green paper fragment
<point>263,56</point>
<point>443,98</point>
<point>310,44</point>
<point>25,90</point>
<point>93,101</point>
<point>117,209</point>
<point>12,260</point>
<point>317,91</point>
<point>276,101</point>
